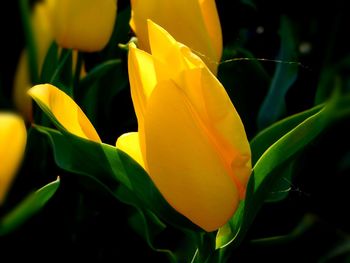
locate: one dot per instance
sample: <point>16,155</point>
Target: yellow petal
<point>185,21</point>
<point>182,161</point>
<point>65,110</point>
<point>227,128</point>
<point>212,23</point>
<point>86,25</point>
<point>13,138</point>
<point>170,57</point>
<point>130,144</point>
<point>165,49</point>
<point>142,79</point>
<point>221,120</point>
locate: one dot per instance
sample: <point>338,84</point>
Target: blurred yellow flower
<point>85,25</point>
<point>41,26</point>
<point>13,136</point>
<point>194,23</point>
<point>190,138</point>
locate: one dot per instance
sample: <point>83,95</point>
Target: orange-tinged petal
<point>182,161</point>
<point>226,127</point>
<point>185,21</point>
<point>130,144</point>
<point>86,25</point>
<point>221,120</point>
<point>65,110</point>
<point>13,136</point>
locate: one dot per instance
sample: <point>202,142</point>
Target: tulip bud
<point>86,25</point>
<point>194,23</point>
<point>190,138</point>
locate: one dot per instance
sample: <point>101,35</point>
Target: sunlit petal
<point>130,144</point>
<point>182,161</point>
<point>65,110</point>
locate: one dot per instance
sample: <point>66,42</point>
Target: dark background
<point>319,188</point>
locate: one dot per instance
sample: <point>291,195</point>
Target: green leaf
<point>148,226</point>
<point>62,77</point>
<point>124,178</point>
<point>50,64</point>
<point>285,75</point>
<point>282,185</point>
<point>306,223</point>
<point>24,7</point>
<point>249,3</point>
<point>121,34</point>
<point>94,92</point>
<point>267,170</point>
<point>28,207</point>
<point>264,139</point>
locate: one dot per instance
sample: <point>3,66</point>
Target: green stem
<point>30,41</point>
<point>77,72</point>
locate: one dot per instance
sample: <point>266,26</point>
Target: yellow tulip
<point>194,23</point>
<point>13,138</point>
<point>190,138</point>
<point>40,20</point>
<point>86,25</point>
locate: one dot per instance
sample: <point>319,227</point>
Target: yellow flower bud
<point>190,138</point>
<point>13,136</point>
<point>86,25</point>
<point>194,23</point>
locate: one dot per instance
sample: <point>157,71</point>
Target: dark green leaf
<point>285,75</point>
<point>24,7</point>
<point>97,89</point>
<point>28,207</point>
<point>282,185</point>
<point>50,64</point>
<point>63,74</point>
<point>307,222</point>
<point>264,139</point>
<point>125,179</point>
<point>267,170</point>
<point>148,226</point>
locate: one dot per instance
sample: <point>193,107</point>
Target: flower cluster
<point>183,160</point>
